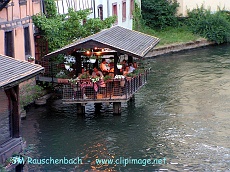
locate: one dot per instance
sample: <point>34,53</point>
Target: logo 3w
<point>17,160</point>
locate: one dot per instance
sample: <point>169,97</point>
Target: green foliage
<point>137,17</point>
<point>108,77</point>
<point>29,93</point>
<point>159,14</point>
<point>61,29</point>
<point>213,26</point>
<point>172,35</point>
<point>50,7</point>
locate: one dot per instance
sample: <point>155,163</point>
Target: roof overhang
<point>117,38</point>
<point>13,71</point>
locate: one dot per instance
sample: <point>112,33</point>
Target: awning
<point>117,38</point>
<point>13,72</point>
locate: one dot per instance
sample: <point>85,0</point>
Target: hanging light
<point>119,66</point>
<point>67,66</point>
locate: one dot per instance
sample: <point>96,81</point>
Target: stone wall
<point>178,47</point>
<point>4,117</point>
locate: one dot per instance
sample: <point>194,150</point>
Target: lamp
<point>119,66</point>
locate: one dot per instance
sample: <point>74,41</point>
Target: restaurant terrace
<point>116,48</point>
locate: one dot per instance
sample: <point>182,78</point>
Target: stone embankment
<point>178,47</point>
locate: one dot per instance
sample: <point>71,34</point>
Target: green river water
<point>180,121</point>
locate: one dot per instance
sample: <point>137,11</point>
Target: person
<point>131,68</point>
<point>126,71</point>
<point>111,67</point>
<point>103,66</point>
<point>124,64</point>
<point>97,73</point>
<point>84,73</point>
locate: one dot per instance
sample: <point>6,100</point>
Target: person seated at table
<point>135,65</point>
<point>103,67</point>
<point>100,83</point>
<point>97,73</point>
<point>83,73</point>
<point>131,68</point>
<point>126,71</point>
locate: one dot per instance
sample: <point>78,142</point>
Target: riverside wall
<point>172,48</point>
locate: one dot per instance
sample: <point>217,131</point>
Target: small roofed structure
<point>114,44</point>
<point>117,38</point>
<point>12,73</point>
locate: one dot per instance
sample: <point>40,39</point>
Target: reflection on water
<point>182,114</point>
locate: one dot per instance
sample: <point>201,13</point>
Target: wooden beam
<point>15,112</point>
<point>117,108</point>
<point>116,71</point>
<point>80,109</point>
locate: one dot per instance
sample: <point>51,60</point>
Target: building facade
<point>16,27</point>
<point>12,72</point>
<point>102,9</point>
<point>213,5</point>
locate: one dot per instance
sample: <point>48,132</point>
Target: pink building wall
<point>18,16</point>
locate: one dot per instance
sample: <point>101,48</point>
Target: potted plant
<point>62,77</point>
<point>92,59</point>
<point>119,66</point>
<point>129,76</point>
<point>84,76</point>
<point>74,83</point>
<point>107,77</point>
<point>67,65</point>
<point>121,78</point>
<point>31,58</point>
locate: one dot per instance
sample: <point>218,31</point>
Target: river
<point>179,120</point>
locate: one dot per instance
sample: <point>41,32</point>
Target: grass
<point>171,35</point>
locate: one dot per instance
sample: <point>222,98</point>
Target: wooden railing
<point>112,91</point>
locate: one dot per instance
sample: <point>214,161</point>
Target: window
<point>131,8</point>
<point>123,11</point>
<point>114,11</point>
<point>27,41</point>
<point>22,2</point>
<point>9,43</point>
<point>100,12</point>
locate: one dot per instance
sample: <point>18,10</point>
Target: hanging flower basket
<point>31,59</point>
<point>119,66</point>
<point>67,66</point>
<point>92,60</point>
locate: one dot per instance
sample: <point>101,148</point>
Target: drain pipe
<point>107,8</point>
<point>94,10</point>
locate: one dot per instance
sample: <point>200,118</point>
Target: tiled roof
<point>117,38</point>
<point>13,71</point>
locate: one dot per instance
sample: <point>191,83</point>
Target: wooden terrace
<point>116,44</point>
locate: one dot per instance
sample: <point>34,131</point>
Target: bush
<point>159,13</point>
<point>29,93</point>
<point>213,26</point>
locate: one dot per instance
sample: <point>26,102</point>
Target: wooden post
<point>14,92</point>
<point>77,63</point>
<point>132,99</point>
<point>80,109</point>
<point>97,107</point>
<point>116,71</point>
<point>130,59</point>
<point>116,108</point>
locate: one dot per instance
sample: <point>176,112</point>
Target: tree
<point>61,29</point>
<point>159,13</point>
